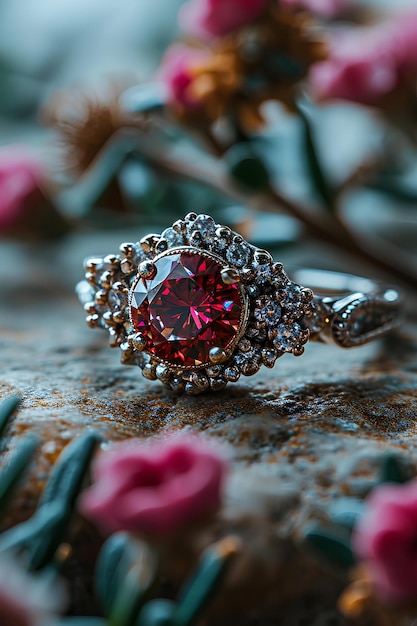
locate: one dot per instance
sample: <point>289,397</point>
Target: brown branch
<point>327,228</point>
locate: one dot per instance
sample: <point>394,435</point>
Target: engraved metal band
<point>350,310</point>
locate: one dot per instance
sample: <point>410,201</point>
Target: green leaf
<point>395,469</point>
<point>62,489</point>
<point>346,512</point>
<point>46,529</point>
<point>246,168</point>
<point>17,465</point>
<point>315,169</point>
<point>114,561</point>
<point>111,569</point>
<point>125,572</point>
<point>24,535</point>
<point>68,474</point>
<point>143,98</point>
<point>201,588</point>
<point>157,612</point>
<point>53,532</point>
<point>332,543</point>
<point>7,409</point>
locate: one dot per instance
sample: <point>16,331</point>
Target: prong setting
<point>218,355</point>
<point>263,257</point>
<point>230,276</point>
<point>149,241</point>
<point>127,266</point>
<point>147,269</point>
<point>127,249</point>
<point>307,294</point>
<point>139,342</point>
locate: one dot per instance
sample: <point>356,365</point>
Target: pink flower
<point>154,489</point>
<point>20,177</point>
<point>26,600</point>
<point>326,8</point>
<point>176,73</point>
<point>385,538</point>
<point>367,64</point>
<point>214,18</point>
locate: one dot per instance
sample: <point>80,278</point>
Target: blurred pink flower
<point>385,538</point>
<point>326,8</point>
<point>176,73</point>
<point>154,489</point>
<point>367,64</point>
<point>214,18</point>
<point>20,177</point>
<point>26,600</point>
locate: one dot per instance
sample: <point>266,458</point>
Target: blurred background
<point>47,46</point>
<point>53,51</point>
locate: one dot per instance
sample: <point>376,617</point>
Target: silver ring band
<point>350,310</point>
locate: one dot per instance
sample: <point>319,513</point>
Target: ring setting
<point>198,306</point>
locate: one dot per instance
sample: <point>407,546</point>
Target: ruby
<point>186,309</point>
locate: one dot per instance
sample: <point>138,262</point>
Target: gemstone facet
<point>185,309</point>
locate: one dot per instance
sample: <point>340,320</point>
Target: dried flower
<point>325,8</point>
<point>385,539</point>
<point>213,18</point>
<point>240,72</point>
<point>26,600</point>
<point>368,65</point>
<point>85,124</point>
<point>154,489</point>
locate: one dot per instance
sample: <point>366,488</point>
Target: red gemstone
<point>186,309</point>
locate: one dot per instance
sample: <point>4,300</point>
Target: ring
<point>198,306</point>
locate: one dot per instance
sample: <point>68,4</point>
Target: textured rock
<point>302,435</point>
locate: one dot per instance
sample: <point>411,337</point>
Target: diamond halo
<point>272,309</point>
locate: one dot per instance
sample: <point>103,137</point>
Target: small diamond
<point>139,253</point>
<point>196,239</point>
<point>291,300</point>
<point>267,279</point>
<point>238,254</point>
<point>219,244</point>
<point>269,313</point>
<point>269,357</point>
<point>288,337</point>
<point>113,300</point>
<point>203,224</point>
<point>173,238</point>
<point>248,363</point>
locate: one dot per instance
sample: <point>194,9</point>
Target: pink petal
<point>176,73</point>
<point>213,18</point>
<point>154,489</point>
<point>20,177</point>
<point>386,539</point>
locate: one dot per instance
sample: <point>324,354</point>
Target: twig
<point>326,228</point>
